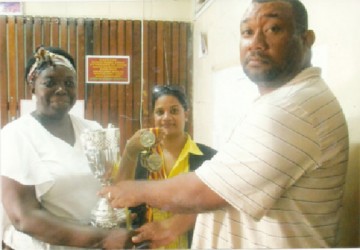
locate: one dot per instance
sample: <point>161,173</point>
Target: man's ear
<point>309,38</point>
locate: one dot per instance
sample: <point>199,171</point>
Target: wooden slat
<point>55,32</point>
<point>129,87</point>
<point>154,71</point>
<point>20,58</point>
<point>30,48</point>
<point>3,73</point>
<point>189,82</point>
<point>46,31</point>
<point>64,34</point>
<point>89,88</point>
<point>146,84</point>
<point>37,32</point>
<point>12,77</point>
<point>121,89</point>
<point>72,38</point>
<point>175,53</point>
<point>80,55</point>
<point>105,87</point>
<point>113,88</point>
<point>160,73</point>
<point>183,54</point>
<point>136,76</point>
<point>167,52</point>
<point>97,88</point>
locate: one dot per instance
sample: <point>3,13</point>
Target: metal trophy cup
<point>102,149</point>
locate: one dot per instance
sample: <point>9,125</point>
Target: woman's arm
<point>28,216</point>
<point>129,158</point>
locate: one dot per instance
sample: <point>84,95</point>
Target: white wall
<point>337,51</point>
<point>169,10</point>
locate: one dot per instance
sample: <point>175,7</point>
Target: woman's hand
<point>157,233</point>
<point>134,146</point>
<point>118,239</point>
<point>162,233</point>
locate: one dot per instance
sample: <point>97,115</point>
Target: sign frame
<point>104,78</point>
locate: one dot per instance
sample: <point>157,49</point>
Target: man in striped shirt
<point>278,182</point>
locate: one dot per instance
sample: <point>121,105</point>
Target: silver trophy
<point>102,149</point>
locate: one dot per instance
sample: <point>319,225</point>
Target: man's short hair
<point>300,13</point>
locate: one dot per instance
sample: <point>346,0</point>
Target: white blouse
<point>64,185</point>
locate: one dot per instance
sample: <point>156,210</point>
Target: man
<point>278,182</point>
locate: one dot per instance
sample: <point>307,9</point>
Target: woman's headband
<point>42,55</point>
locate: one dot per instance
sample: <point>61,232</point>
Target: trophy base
<point>104,216</point>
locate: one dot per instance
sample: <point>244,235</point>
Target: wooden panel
<point>146,84</point>
<point>160,69</point>
<point>64,34</point>
<point>12,78</point>
<point>155,60</point>
<point>3,72</point>
<point>97,88</point>
<point>122,88</point>
<point>136,75</point>
<point>71,25</point>
<point>80,57</point>
<point>46,31</point>
<point>29,47</point>
<point>129,87</point>
<point>37,32</point>
<point>167,52</point>
<point>105,87</point>
<point>89,88</point>
<point>113,88</point>
<point>55,32</point>
<point>20,58</point>
<point>189,82</point>
<point>183,54</point>
<point>156,57</point>
<point>175,53</point>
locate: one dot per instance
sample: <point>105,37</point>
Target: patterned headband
<point>43,55</point>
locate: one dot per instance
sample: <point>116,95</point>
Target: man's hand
<point>123,194</point>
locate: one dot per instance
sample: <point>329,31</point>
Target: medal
<point>154,162</point>
<point>147,139</point>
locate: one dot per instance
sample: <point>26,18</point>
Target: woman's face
<point>170,115</point>
<point>55,90</point>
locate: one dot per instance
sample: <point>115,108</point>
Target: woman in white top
<point>48,190</point>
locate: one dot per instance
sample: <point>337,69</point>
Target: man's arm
<point>185,193</point>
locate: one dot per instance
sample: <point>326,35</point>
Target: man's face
<point>271,52</point>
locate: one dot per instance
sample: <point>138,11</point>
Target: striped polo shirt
<point>282,172</point>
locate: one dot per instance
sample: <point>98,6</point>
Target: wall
<point>336,51</point>
<point>166,10</point>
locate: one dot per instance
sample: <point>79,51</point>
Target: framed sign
<point>107,69</point>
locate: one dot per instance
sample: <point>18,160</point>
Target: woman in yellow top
<point>179,154</point>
